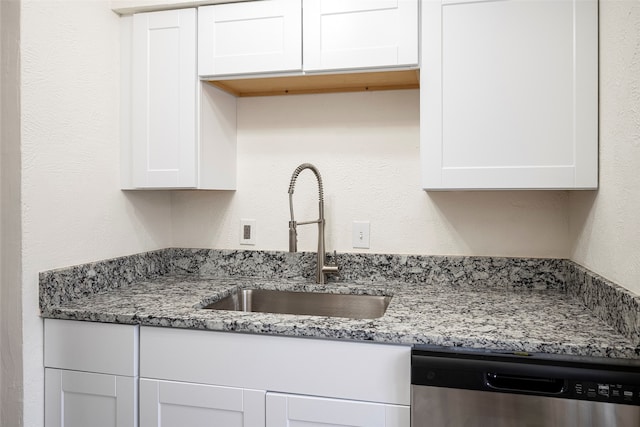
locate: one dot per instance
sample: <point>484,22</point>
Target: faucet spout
<point>322,269</point>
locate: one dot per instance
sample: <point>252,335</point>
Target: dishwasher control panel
<point>565,377</point>
<point>613,393</point>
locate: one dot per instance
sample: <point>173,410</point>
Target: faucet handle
<point>334,268</point>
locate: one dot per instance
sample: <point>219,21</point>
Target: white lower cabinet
<point>80,399</point>
<point>291,410</point>
<point>231,379</point>
<point>178,404</point>
<point>91,374</point>
<point>109,375</point>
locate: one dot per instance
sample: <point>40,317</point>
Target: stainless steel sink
<point>309,303</point>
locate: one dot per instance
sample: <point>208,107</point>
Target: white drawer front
<point>92,347</point>
<point>341,369</point>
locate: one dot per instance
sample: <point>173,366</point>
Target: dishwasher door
<point>472,388</point>
<point>448,407</point>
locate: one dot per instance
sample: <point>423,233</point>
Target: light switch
<point>361,234</point>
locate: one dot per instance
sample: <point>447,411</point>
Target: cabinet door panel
<point>80,399</point>
<point>164,91</point>
<point>174,404</point>
<point>303,411</point>
<point>504,104</point>
<point>345,34</point>
<point>253,37</point>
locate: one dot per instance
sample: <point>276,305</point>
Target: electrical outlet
<point>361,234</point>
<point>247,231</point>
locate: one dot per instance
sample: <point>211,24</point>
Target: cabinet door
<point>175,404</point>
<point>251,37</point>
<point>345,34</point>
<point>509,94</point>
<point>291,410</point>
<point>164,93</point>
<point>80,399</point>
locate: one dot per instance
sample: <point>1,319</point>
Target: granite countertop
<point>529,320</point>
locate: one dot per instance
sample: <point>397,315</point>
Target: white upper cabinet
<point>250,37</point>
<point>164,114</point>
<point>296,36</point>
<point>177,131</point>
<point>509,94</point>
<point>356,34</point>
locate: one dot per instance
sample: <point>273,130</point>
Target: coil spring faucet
<point>322,269</point>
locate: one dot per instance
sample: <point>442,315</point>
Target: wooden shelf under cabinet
<point>321,83</point>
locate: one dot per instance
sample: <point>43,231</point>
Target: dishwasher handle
<point>525,384</point>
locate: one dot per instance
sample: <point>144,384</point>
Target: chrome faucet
<point>322,269</point>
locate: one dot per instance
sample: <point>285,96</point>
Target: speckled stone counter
<point>493,303</point>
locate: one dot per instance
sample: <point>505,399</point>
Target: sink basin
<point>309,303</point>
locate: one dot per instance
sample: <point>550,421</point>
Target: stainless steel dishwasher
<point>472,388</point>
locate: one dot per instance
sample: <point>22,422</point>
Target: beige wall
<point>2,204</point>
<point>11,372</point>
<point>73,210</point>
<point>605,225</point>
<point>366,146</point>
